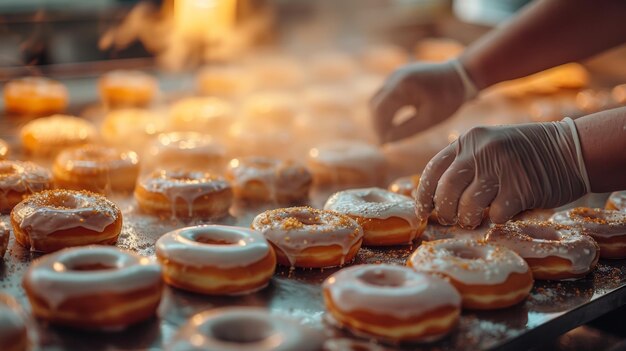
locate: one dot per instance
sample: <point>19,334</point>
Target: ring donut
<point>244,329</point>
<point>553,251</point>
<point>127,88</point>
<point>216,260</point>
<point>20,179</point>
<point>347,163</point>
<point>392,303</point>
<point>487,276</point>
<point>184,194</point>
<point>93,287</point>
<point>617,201</point>
<point>606,227</point>
<point>13,326</point>
<point>387,218</point>
<point>54,219</point>
<point>187,150</point>
<point>308,237</point>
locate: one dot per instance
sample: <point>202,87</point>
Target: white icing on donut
<point>183,246</point>
<point>468,261</point>
<point>47,212</point>
<point>389,290</point>
<point>244,329</point>
<point>544,239</point>
<point>191,143</point>
<point>184,185</point>
<point>593,221</point>
<point>53,279</point>
<point>295,229</point>
<point>21,176</point>
<point>348,154</point>
<point>278,176</point>
<point>375,203</point>
<point>618,199</point>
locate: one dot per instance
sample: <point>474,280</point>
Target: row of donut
<point>387,302</point>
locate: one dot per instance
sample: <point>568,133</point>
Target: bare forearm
<point>545,34</point>
<point>603,141</point>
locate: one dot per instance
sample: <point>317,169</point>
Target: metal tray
<point>551,309</point>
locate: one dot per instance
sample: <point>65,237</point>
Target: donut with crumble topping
<point>54,219</point>
<point>606,227</point>
<point>487,276</point>
<point>216,259</point>
<point>553,251</point>
<point>308,237</point>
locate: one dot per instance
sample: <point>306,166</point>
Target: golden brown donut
<point>96,168</point>
<point>35,96</point>
<point>93,287</point>
<point>487,276</point>
<point>406,186</point>
<point>307,237</point>
<point>48,136</point>
<point>54,219</point>
<point>269,179</point>
<point>20,179</point>
<point>127,88</point>
<point>13,325</point>
<point>184,194</point>
<point>216,259</point>
<point>187,150</point>
<point>347,163</point>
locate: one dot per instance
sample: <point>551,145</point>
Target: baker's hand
<point>506,168</point>
<point>435,90</point>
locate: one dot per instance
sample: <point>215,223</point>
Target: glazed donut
<point>187,150</point>
<point>226,81</point>
<point>5,233</point>
<point>406,186</point>
<point>96,168</point>
<point>552,251</point>
<point>13,327</point>
<point>93,287</point>
<point>54,219</point>
<point>487,276</point>
<point>132,128</point>
<point>209,115</point>
<point>35,96</point>
<point>333,67</point>
<point>384,59</point>
<point>20,179</point>
<point>392,303</point>
<point>386,218</point>
<point>4,149</point>
<point>50,135</point>
<point>308,237</point>
<point>268,179</point>
<point>216,259</point>
<point>244,329</point>
<point>127,88</point>
<point>617,201</point>
<point>184,194</point>
<point>347,163</point>
<point>606,227</point>
<point>270,108</point>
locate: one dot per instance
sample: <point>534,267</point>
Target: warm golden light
<point>210,19</point>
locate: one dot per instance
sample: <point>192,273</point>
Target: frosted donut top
<point>593,221</point>
<point>532,239</point>
<point>96,157</point>
<point>49,211</point>
<point>187,185</point>
<point>244,329</point>
<point>58,277</point>
<point>214,246</point>
<point>278,175</point>
<point>295,229</point>
<point>467,261</point>
<point>389,290</point>
<point>23,176</point>
<point>374,203</point>
<point>349,154</point>
<point>60,130</point>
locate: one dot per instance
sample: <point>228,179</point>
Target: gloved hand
<point>435,90</point>
<point>506,168</point>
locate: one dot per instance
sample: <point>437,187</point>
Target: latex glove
<point>434,90</point>
<point>506,168</point>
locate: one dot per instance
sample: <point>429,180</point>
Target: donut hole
<point>466,253</point>
<point>383,278</point>
<point>374,198</point>
<point>95,266</point>
<point>306,219</point>
<point>207,239</point>
<point>242,330</point>
<point>542,233</point>
<point>212,237</point>
<point>94,261</point>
